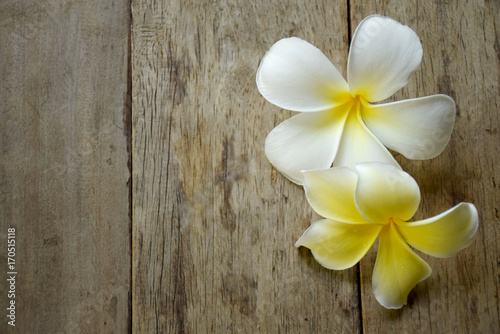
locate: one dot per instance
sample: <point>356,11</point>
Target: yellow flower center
<point>352,103</point>
<point>392,224</point>
<point>358,100</point>
<point>393,220</point>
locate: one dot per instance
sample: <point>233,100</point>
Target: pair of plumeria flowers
<point>365,195</point>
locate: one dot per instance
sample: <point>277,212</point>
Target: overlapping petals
<point>297,76</point>
<point>337,245</point>
<point>365,195</point>
<point>299,142</point>
<point>330,194</point>
<point>384,192</point>
<point>376,199</point>
<point>358,144</point>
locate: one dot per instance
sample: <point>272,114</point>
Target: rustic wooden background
<point>133,169</point>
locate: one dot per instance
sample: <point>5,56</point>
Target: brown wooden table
<point>134,174</point>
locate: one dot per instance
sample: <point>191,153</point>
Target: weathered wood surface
<point>63,168</point>
<point>213,224</point>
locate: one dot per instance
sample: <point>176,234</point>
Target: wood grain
<point>461,59</point>
<point>214,224</point>
<point>63,169</point>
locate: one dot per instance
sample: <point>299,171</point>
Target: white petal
<point>385,192</point>
<point>417,128</point>
<point>330,193</point>
<point>358,145</point>
<point>445,234</point>
<point>296,75</point>
<point>306,141</point>
<point>337,245</point>
<point>383,54</point>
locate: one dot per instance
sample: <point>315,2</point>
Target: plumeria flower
<point>377,200</point>
<point>339,123</point>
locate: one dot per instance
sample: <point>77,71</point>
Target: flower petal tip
<point>443,235</point>
<point>296,75</point>
<point>417,128</point>
<point>394,302</point>
<point>298,243</point>
<point>304,142</point>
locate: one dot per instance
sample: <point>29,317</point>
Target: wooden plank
<point>63,169</point>
<point>214,225</point>
<point>461,59</point>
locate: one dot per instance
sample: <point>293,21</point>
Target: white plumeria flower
<point>375,200</point>
<point>339,124</point>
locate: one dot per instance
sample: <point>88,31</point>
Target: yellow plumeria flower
<point>339,124</point>
<point>375,200</point>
